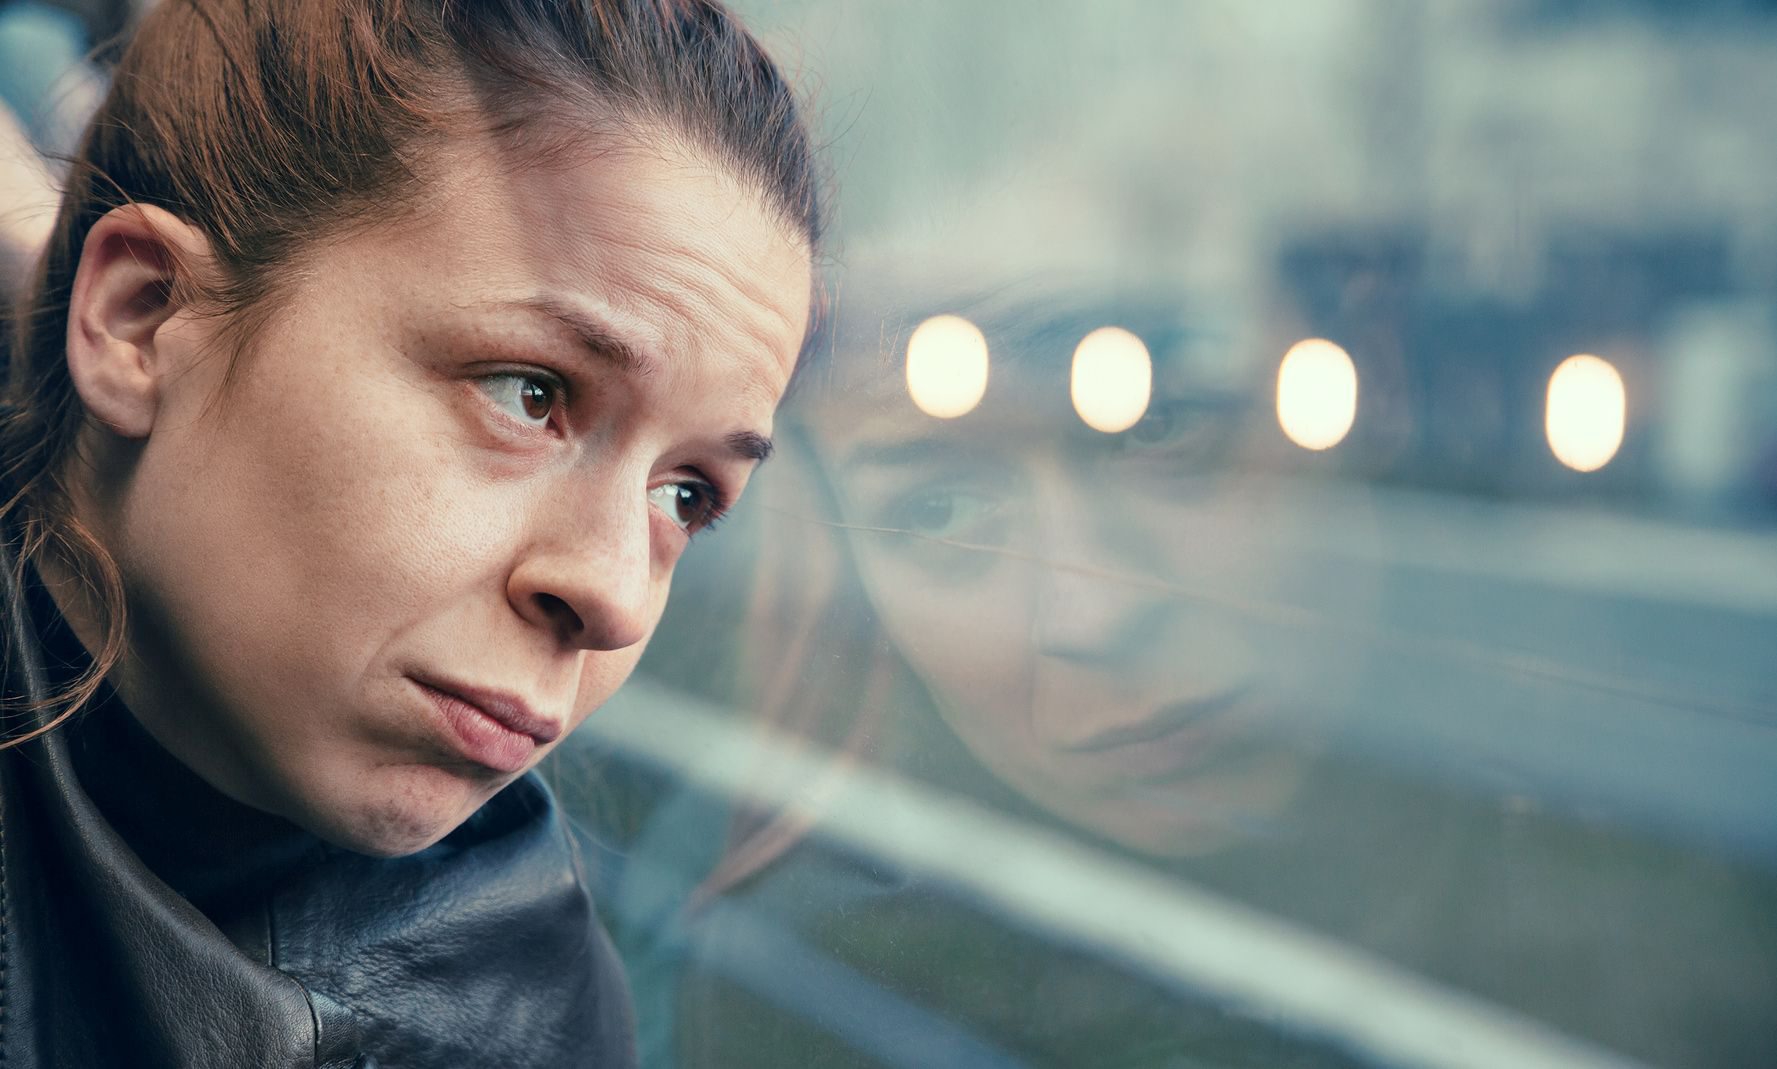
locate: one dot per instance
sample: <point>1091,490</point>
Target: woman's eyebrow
<point>749,445</point>
<point>607,342</point>
<point>599,336</point>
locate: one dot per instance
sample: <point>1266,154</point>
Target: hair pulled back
<point>269,125</point>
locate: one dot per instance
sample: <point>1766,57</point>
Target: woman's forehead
<point>660,237</point>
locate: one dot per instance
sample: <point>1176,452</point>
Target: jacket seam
<point>273,956</point>
<point>314,1019</point>
<point>5,931</point>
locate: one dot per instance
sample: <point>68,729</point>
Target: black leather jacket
<point>147,920</point>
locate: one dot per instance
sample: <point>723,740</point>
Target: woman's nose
<point>587,572</point>
<point>1084,613</point>
<point>1094,598</point>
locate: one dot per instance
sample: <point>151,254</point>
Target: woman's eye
<point>1155,428</point>
<point>529,399</point>
<point>948,514</point>
<point>1194,434</point>
<point>692,506</point>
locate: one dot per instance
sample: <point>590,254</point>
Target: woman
<point>384,360</point>
<point>1143,641</point>
<point>1092,631</point>
<point>1123,627</point>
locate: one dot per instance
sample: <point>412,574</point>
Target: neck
<point>88,590</point>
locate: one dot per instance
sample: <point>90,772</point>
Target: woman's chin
<point>1190,818</point>
<point>406,812</point>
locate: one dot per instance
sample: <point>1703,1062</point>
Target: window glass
<point>1269,561</point>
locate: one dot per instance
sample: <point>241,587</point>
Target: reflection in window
<point>1586,412</point>
<point>1316,394</point>
<point>1111,380</point>
<point>1077,679</point>
<point>946,366</point>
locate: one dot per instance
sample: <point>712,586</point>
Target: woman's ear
<point>124,299</point>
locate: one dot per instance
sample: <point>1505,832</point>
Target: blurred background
<point>1272,557</point>
<point>1364,652</point>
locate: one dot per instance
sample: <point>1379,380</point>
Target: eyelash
<point>714,513</point>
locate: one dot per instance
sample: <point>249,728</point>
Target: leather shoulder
<point>483,950</point>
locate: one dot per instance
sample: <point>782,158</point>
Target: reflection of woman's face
<point>1076,601</point>
<point>448,483</point>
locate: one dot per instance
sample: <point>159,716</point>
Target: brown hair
<point>270,124</point>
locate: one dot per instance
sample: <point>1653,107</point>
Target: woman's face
<point>1095,615</point>
<point>429,522</point>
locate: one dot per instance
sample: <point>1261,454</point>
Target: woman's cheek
<point>396,513</point>
<point>972,649</point>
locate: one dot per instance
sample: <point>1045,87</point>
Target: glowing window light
<point>1587,411</point>
<point>1316,394</point>
<point>1112,380</point>
<point>946,366</point>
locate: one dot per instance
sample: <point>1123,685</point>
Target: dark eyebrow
<point>749,445</point>
<point>600,337</point>
<point>605,341</point>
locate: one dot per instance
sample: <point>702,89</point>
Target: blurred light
<point>1587,412</point>
<point>1113,378</point>
<point>1316,394</point>
<point>946,366</point>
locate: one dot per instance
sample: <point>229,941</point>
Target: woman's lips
<point>492,729</point>
<point>1172,741</point>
